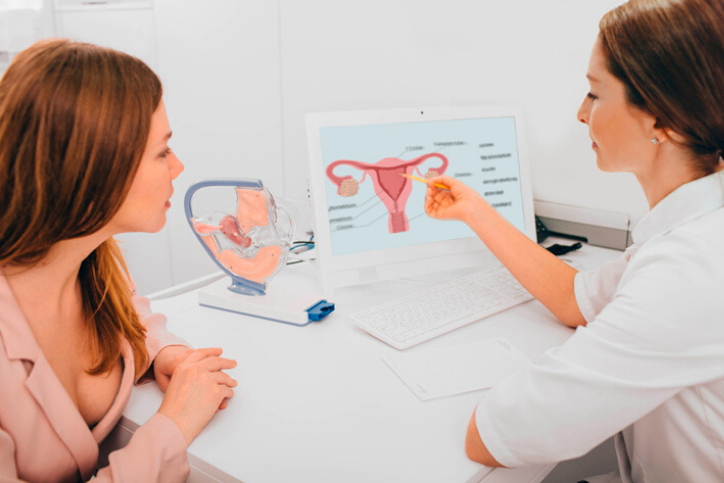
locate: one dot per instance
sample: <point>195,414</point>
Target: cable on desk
<point>294,262</point>
<point>306,245</point>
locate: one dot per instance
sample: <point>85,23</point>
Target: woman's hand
<point>460,203</point>
<point>197,390</point>
<point>166,362</point>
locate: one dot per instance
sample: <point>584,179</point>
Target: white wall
<point>22,24</point>
<point>381,53</point>
<point>240,75</point>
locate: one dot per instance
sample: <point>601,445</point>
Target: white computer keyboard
<point>417,318</point>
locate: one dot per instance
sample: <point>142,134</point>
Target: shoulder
<point>691,254</point>
<point>674,285</point>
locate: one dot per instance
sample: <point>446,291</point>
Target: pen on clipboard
<point>423,180</point>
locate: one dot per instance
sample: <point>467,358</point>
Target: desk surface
<point>317,404</point>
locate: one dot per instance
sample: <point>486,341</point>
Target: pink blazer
<point>43,437</point>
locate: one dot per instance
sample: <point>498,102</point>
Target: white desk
<point>317,404</point>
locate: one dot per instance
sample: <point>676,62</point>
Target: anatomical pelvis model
<point>390,187</point>
<point>252,243</point>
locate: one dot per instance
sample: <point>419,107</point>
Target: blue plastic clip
<point>320,310</point>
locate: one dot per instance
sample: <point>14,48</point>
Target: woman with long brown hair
<point>647,360</point>
<point>84,156</point>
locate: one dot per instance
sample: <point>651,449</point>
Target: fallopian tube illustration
<point>252,245</point>
<point>392,189</point>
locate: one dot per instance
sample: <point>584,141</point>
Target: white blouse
<point>649,364</point>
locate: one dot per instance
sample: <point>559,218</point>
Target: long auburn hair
<point>74,121</point>
<point>669,54</point>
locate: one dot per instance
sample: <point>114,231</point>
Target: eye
<point>591,96</point>
<point>165,153</point>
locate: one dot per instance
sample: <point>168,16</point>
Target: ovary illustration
<point>391,188</point>
<point>248,244</point>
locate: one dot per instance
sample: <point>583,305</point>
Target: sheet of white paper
<point>456,369</point>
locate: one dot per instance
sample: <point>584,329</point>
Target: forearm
<point>475,449</point>
<point>547,278</point>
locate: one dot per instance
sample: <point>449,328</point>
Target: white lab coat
<point>649,365</point>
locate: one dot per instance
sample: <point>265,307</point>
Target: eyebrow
<point>165,138</point>
<point>591,78</point>
<point>163,142</point>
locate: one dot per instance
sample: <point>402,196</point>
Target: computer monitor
<point>370,223</point>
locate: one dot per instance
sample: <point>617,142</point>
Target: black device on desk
<point>542,233</point>
<point>540,230</point>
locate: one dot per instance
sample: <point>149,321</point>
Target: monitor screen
<point>372,207</point>
<point>369,220</point>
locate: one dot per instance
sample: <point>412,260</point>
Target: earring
<point>655,140</point>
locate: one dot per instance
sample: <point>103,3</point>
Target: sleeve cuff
<point>492,439</point>
<point>156,452</point>
<point>171,433</point>
<point>582,297</point>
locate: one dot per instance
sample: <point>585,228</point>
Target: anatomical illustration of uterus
<point>391,188</point>
<point>246,244</point>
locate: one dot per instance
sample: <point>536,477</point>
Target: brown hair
<point>74,121</point>
<point>669,54</point>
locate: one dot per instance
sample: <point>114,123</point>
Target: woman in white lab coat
<point>646,363</point>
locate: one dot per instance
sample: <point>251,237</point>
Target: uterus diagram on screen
<point>391,188</point>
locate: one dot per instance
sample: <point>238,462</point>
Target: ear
<point>648,123</point>
<point>664,133</point>
<point>673,135</point>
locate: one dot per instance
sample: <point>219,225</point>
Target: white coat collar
<point>684,204</point>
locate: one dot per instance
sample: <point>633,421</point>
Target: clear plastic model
<point>252,242</point>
